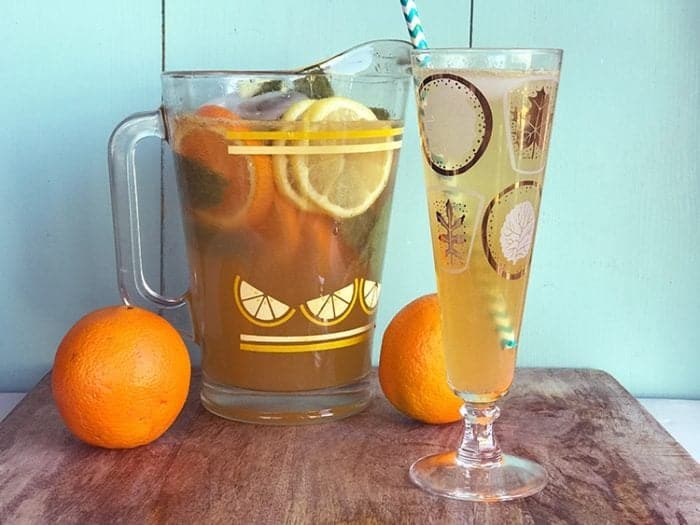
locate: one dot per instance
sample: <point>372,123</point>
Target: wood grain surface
<point>608,461</point>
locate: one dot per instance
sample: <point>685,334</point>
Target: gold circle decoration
<point>455,124</point>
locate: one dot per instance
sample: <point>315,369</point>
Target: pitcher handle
<point>125,207</point>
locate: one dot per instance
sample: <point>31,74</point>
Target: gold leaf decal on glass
<point>452,238</point>
<point>530,108</point>
<point>454,224</point>
<point>535,124</point>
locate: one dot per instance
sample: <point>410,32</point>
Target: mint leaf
<point>314,86</point>
<point>201,186</point>
<point>268,87</point>
<point>380,113</point>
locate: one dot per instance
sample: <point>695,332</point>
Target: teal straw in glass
<point>415,29</point>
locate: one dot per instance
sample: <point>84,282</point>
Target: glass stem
<point>479,446</point>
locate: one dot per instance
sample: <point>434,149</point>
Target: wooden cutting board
<point>608,461</point>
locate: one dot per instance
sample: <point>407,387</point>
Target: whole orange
<point>120,377</point>
<point>412,364</point>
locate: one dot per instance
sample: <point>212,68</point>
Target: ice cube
<point>267,106</point>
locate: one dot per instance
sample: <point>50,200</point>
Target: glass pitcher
<point>285,182</point>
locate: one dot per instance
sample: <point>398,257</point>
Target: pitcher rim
<point>222,73</point>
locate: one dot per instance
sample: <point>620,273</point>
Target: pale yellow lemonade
<point>485,142</point>
<point>285,281</point>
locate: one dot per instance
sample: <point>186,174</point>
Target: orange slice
<point>245,180</point>
<point>213,111</point>
<point>333,258</point>
<point>281,229</point>
<point>331,309</point>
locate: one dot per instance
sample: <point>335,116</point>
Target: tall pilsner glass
<point>485,117</point>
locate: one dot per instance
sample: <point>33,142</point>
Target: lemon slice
<point>331,309</point>
<point>297,109</point>
<point>343,185</point>
<point>258,307</point>
<point>338,109</point>
<point>287,182</point>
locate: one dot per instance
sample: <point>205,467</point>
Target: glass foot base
<point>510,478</point>
<point>285,408</point>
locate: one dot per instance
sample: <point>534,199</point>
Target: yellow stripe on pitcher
<point>314,135</point>
<point>304,347</point>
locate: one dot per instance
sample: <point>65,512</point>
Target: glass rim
<point>488,50</point>
<point>197,74</point>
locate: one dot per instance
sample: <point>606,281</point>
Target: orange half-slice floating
<point>246,179</point>
<point>258,307</point>
<point>331,309</point>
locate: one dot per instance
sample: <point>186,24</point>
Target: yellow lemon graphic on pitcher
<point>369,295</point>
<point>331,309</point>
<point>258,307</point>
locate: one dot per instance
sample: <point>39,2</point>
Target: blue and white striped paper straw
<point>415,29</point>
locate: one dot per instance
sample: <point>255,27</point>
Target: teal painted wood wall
<point>615,281</point>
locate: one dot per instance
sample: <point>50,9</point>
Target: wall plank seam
<point>471,22</point>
